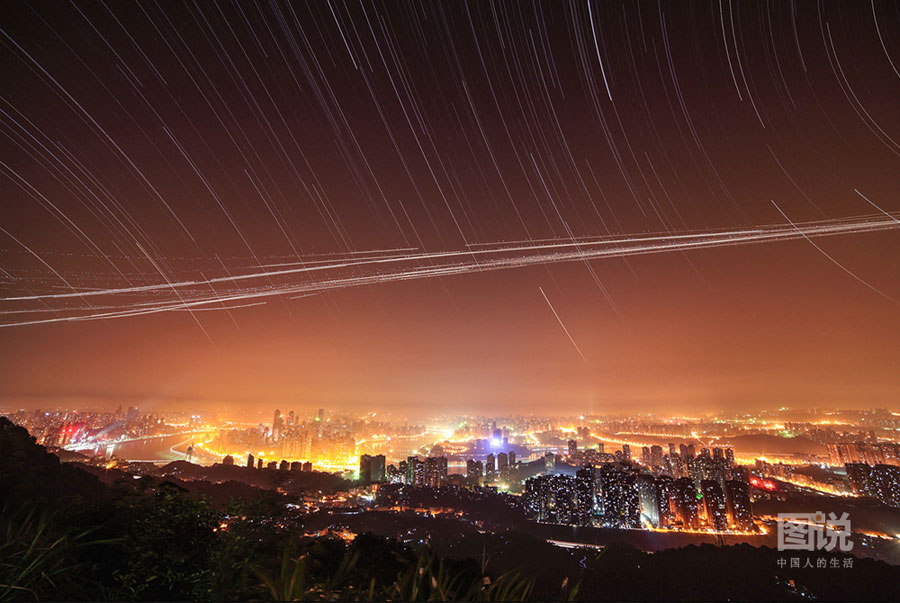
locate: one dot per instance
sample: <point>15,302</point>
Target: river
<point>162,449</point>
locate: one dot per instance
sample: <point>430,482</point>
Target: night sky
<point>152,152</point>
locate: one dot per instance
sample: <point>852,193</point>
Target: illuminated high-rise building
<point>671,449</point>
<point>490,470</point>
<point>365,469</point>
<point>665,491</point>
<point>415,471</point>
<point>886,484</point>
<point>502,467</point>
<point>626,452</point>
<point>648,497</point>
<point>379,472</point>
<point>474,472</point>
<point>549,462</point>
<point>860,477</point>
<point>714,504</point>
<point>620,502</point>
<point>573,447</point>
<point>435,471</point>
<point>656,456</point>
<point>552,498</point>
<point>584,495</point>
<point>738,504</point>
<point>686,508</point>
<point>512,459</point>
<point>276,425</point>
<point>393,475</point>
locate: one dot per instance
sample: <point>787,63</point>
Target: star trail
<point>251,186</point>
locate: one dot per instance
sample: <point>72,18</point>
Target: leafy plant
<point>38,558</point>
<point>425,578</point>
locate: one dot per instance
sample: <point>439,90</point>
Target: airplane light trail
<point>179,295</point>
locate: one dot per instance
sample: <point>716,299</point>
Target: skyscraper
<point>371,468</point>
<point>714,504</point>
<point>656,456</point>
<point>621,506</point>
<point>664,493</point>
<point>549,461</point>
<point>415,471</point>
<point>276,425</point>
<point>379,472</point>
<point>490,470</point>
<point>584,495</point>
<point>250,461</point>
<point>738,504</point>
<point>474,472</point>
<point>886,484</point>
<point>435,471</point>
<point>503,467</point>
<point>551,498</point>
<point>860,476</point>
<point>573,447</point>
<point>686,509</point>
<point>649,499</point>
